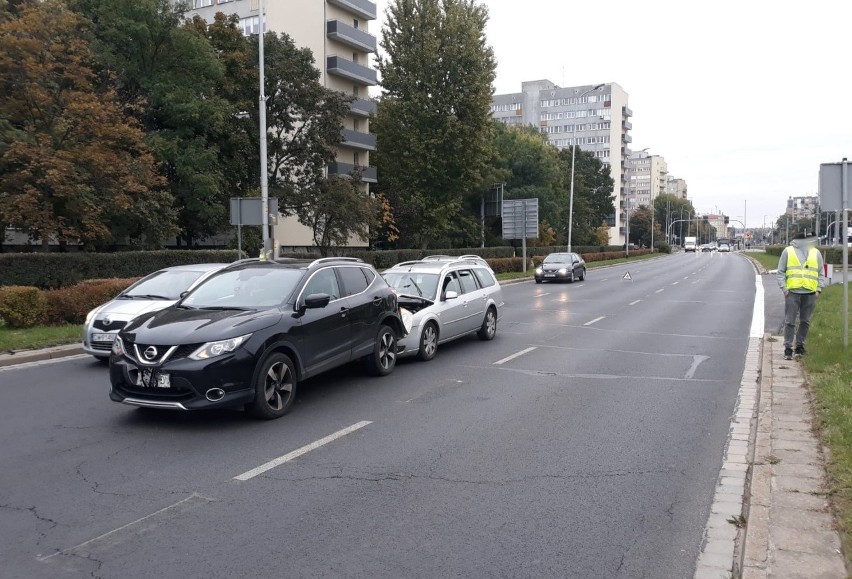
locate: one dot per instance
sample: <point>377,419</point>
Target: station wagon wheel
<point>275,387</point>
<point>383,359</point>
<point>571,277</point>
<point>428,342</point>
<point>489,325</point>
<point>583,275</point>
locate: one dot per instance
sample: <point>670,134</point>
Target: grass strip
<point>38,337</point>
<point>829,370</point>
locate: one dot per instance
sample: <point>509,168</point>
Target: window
<point>484,276</point>
<point>201,3</point>
<point>353,278</point>
<point>451,283</point>
<point>323,282</point>
<point>251,25</point>
<point>468,282</point>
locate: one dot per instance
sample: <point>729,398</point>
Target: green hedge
<point>830,254</point>
<point>55,270</point>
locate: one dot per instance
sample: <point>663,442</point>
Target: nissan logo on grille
<point>150,353</point>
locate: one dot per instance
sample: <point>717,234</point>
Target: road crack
<point>34,512</point>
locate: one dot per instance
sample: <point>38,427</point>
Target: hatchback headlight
<point>538,270</point>
<point>213,349</point>
<point>407,319</point>
<point>90,315</point>
<point>118,347</point>
<point>563,270</point>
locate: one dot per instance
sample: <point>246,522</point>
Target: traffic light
<point>726,219</point>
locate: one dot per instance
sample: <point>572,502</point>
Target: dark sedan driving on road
<point>561,267</point>
<point>247,335</point>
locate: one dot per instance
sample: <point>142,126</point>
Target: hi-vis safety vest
<point>802,276</point>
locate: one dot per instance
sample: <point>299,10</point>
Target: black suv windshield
<point>251,287</point>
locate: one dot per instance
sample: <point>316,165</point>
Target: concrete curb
<point>25,356</point>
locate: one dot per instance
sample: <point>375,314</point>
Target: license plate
<point>103,337</point>
<point>151,379</point>
<point>550,275</point>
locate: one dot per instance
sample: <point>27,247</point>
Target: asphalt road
<point>593,453</point>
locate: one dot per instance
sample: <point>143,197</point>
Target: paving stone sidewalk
<point>790,529</point>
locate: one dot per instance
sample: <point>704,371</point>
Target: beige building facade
<point>676,187</point>
<point>647,177</point>
<point>337,33</point>
<point>596,119</point>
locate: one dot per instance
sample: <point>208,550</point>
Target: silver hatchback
<point>443,298</point>
<point>153,292</point>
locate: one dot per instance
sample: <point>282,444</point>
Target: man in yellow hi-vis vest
<point>801,277</point>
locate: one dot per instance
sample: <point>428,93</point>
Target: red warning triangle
<point>627,276</point>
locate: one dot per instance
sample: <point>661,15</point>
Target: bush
<point>506,264</point>
<point>56,270</point>
<point>70,305</point>
<point>22,306</point>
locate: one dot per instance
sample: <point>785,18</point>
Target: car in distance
<point>690,243</point>
<point>248,335</point>
<point>153,292</point>
<point>561,267</point>
<point>724,246</point>
<point>445,299</point>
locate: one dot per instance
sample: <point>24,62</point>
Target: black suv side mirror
<point>316,301</point>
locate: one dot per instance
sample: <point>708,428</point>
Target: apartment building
<point>647,177</point>
<point>596,119</point>
<point>337,32</point>
<point>802,207</point>
<point>676,187</point>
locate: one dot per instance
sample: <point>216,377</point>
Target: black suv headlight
<point>218,348</point>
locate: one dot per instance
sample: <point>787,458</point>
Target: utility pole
<point>264,170</point>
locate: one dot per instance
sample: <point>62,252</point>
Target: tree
<point>668,209</point>
<point>433,124</point>
<point>71,165</point>
<point>593,195</point>
<point>640,227</point>
<point>169,77</point>
<point>340,211</point>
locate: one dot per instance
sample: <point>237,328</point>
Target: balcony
<point>351,36</point>
<point>627,125</point>
<point>363,108</point>
<point>625,138</point>
<point>353,71</point>
<point>363,8</point>
<point>359,140</point>
<point>625,111</point>
<point>368,174</point>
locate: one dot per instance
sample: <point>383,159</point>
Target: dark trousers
<point>801,306</point>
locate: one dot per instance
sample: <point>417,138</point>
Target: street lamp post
<point>264,172</point>
<point>573,155</point>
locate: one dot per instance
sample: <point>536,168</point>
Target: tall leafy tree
<point>168,75</point>
<point>593,195</point>
<point>433,123</point>
<point>72,166</point>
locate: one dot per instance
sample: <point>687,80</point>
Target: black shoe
<point>800,350</point>
<point>788,353</point>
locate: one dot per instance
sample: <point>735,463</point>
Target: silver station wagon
<point>442,298</point>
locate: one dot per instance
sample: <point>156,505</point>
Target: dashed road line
<point>301,451</point>
<point>594,321</point>
<point>513,356</point>
<point>634,303</point>
<point>660,290</point>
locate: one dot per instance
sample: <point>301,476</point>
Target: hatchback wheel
<point>571,277</point>
<point>383,359</point>
<point>489,325</point>
<point>275,389</point>
<point>428,342</point>
<point>583,275</point>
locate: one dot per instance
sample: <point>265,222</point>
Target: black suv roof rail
<point>327,259</point>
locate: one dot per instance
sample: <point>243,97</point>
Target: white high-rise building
<point>595,119</point>
<point>337,32</point>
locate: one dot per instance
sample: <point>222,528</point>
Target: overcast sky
<point>743,98</point>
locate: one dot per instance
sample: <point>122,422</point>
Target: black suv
<point>248,334</point>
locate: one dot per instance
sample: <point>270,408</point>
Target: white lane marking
<point>513,356</point>
<point>300,451</point>
<point>605,279</point>
<point>675,283</point>
<point>541,295</point>
<point>634,303</point>
<point>78,548</point>
<point>660,290</point>
<point>593,321</point>
<point>757,321</point>
<point>696,361</point>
